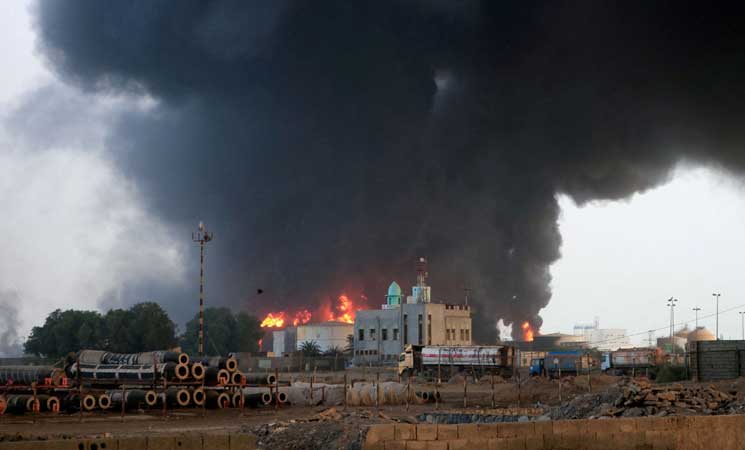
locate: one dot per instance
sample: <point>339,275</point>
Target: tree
<point>117,324</point>
<point>151,328</point>
<point>143,327</point>
<point>66,331</point>
<point>310,348</point>
<point>249,332</point>
<point>223,332</point>
<point>334,351</point>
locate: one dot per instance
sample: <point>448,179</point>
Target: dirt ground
<point>298,427</point>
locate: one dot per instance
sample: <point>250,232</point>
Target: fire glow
<point>528,332</point>
<point>343,310</point>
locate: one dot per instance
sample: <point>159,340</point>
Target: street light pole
<point>202,236</point>
<point>697,309</point>
<point>742,323</point>
<point>717,295</point>
<point>671,303</point>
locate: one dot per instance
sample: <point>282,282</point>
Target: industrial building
<point>327,335</point>
<point>380,335</point>
<point>602,338</point>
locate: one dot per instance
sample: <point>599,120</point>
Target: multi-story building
<point>602,338</point>
<point>380,335</point>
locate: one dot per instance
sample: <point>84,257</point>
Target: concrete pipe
<point>21,403</point>
<point>258,399</point>
<point>178,397</point>
<point>424,395</point>
<point>131,359</point>
<point>217,399</point>
<point>181,371</point>
<point>133,398</point>
<point>26,374</point>
<point>260,378</point>
<point>151,398</point>
<point>281,396</point>
<point>89,402</point>
<point>3,404</point>
<point>198,396</point>
<point>197,371</point>
<point>115,374</point>
<point>237,378</point>
<point>49,403</point>
<point>215,376</point>
<point>104,401</point>
<point>221,362</point>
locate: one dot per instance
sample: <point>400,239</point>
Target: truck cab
<point>537,367</point>
<point>410,360</point>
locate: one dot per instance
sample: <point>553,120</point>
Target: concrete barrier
<point>155,442</point>
<point>645,433</point>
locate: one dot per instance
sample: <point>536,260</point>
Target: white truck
<point>447,360</point>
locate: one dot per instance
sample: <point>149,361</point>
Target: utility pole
<point>671,303</point>
<point>742,323</point>
<point>202,236</point>
<point>717,295</point>
<point>697,309</point>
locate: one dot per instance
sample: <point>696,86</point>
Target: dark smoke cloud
<point>10,342</point>
<point>330,143</point>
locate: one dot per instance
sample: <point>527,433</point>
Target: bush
<point>668,373</point>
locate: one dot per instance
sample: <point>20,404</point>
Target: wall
<point>716,360</point>
<point>183,442</point>
<point>648,433</point>
<point>326,335</point>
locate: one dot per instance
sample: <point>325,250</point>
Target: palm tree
<point>310,348</point>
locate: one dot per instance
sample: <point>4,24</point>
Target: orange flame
<point>343,311</point>
<point>301,317</point>
<point>274,320</point>
<point>528,332</point>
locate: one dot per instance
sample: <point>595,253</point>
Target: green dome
<point>394,290</point>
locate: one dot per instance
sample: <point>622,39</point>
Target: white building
<point>380,335</point>
<point>602,338</point>
<point>327,335</point>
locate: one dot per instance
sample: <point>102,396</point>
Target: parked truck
<point>445,360</point>
<point>561,363</point>
<point>630,361</point>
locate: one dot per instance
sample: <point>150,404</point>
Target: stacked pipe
<point>115,373</point>
<point>21,403</point>
<point>27,374</point>
<point>133,398</point>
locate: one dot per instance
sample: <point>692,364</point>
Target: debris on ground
<point>636,398</point>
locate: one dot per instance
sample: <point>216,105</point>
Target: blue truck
<point>561,363</point>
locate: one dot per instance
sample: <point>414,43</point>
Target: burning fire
<point>274,320</point>
<point>528,332</point>
<point>301,317</point>
<point>342,311</point>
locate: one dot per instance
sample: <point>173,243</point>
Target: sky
<point>81,231</point>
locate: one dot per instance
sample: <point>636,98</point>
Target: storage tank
<point>700,334</point>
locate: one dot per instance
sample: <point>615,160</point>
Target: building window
<point>468,334</point>
<point>361,336</point>
<point>395,334</point>
<point>429,329</point>
<point>419,338</point>
<point>372,334</point>
<point>384,334</point>
<point>462,334</point>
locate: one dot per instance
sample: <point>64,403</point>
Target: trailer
<point>560,363</point>
<point>448,360</point>
<point>629,361</point>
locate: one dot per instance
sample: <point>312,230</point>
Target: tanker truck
<point>445,360</point>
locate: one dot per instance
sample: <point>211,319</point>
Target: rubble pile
<point>636,398</point>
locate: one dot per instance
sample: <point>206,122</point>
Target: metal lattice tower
<point>202,236</point>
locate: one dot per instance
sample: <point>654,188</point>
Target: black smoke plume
<point>330,143</point>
